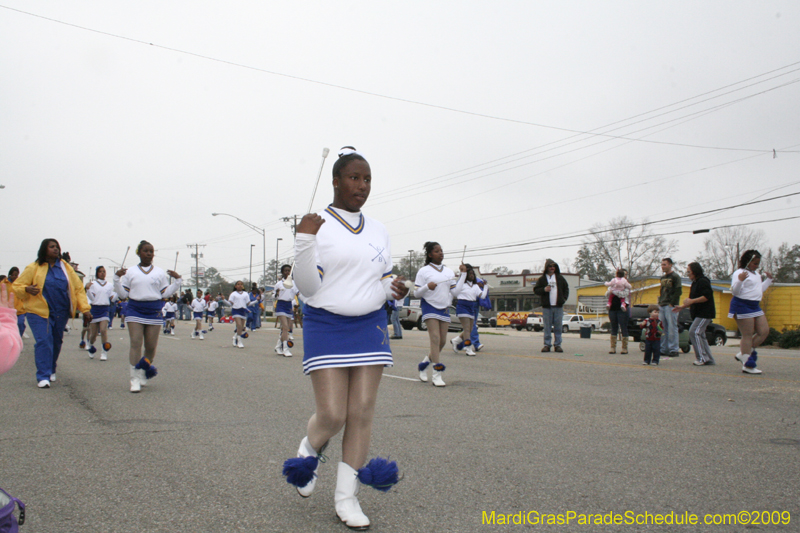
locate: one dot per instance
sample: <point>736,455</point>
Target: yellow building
<point>781,302</point>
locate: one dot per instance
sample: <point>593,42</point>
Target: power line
<point>344,88</point>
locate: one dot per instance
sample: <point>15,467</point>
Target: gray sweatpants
<point>697,333</point>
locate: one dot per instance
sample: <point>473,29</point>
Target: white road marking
<point>400,377</point>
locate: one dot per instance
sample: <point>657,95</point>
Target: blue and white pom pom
<point>380,474</point>
<point>149,370</point>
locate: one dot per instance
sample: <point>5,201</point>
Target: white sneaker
<point>747,370</point>
<point>455,342</point>
<point>52,377</point>
<point>104,356</point>
<point>26,336</point>
<point>44,384</point>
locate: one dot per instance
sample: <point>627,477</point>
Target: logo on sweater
<point>379,256</point>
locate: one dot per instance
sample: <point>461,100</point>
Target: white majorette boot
<point>436,378</point>
<point>145,371</point>
<point>347,507</point>
<point>285,351</point>
<point>423,369</point>
<point>279,347</point>
<point>301,471</point>
<point>468,348</point>
<point>235,339</point>
<point>136,386</point>
<point>380,474</point>
<point>200,334</point>
<point>455,341</point>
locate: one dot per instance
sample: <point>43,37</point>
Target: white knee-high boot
<point>136,386</point>
<point>347,507</point>
<point>306,450</point>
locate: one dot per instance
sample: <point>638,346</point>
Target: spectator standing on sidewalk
<point>553,289</point>
<point>671,288</point>
<point>701,304</point>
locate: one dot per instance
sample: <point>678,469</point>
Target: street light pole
<point>251,264</point>
<point>263,233</point>
<point>277,243</point>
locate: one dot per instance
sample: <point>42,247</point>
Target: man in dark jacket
<point>671,288</point>
<point>553,289</point>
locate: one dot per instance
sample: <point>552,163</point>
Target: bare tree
<point>722,249</point>
<point>633,247</point>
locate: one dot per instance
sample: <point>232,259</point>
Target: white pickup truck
<point>575,322</point>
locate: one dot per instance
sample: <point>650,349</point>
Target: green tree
<point>784,265</point>
<point>590,265</point>
<point>409,265</point>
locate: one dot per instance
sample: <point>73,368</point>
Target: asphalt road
<point>514,431</point>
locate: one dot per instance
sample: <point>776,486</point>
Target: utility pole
<point>197,255</point>
<point>293,223</point>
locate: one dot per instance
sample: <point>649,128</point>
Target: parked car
<point>716,334</point>
<point>576,322</point>
<point>487,321</point>
<point>412,316</point>
<point>534,322</point>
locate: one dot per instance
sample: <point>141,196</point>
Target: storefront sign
<point>509,282</point>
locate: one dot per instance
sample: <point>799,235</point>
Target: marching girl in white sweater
<point>145,286</point>
<point>284,310</point>
<point>199,306</point>
<point>212,309</point>
<point>169,310</point>
<point>437,286</point>
<point>239,301</point>
<point>100,295</point>
<point>343,269</point>
<point>748,289</point>
<point>467,307</point>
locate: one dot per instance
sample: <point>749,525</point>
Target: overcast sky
<point>484,124</point>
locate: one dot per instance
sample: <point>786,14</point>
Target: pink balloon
<point>10,341</point>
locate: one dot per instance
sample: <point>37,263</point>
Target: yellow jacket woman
<point>50,292</point>
<point>35,274</point>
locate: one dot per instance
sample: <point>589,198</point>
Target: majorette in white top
<point>145,284</point>
<point>471,292</point>
<point>100,292</point>
<point>346,267</point>
<point>442,296</point>
<point>199,305</point>
<point>239,300</point>
<point>287,295</point>
<point>752,288</point>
